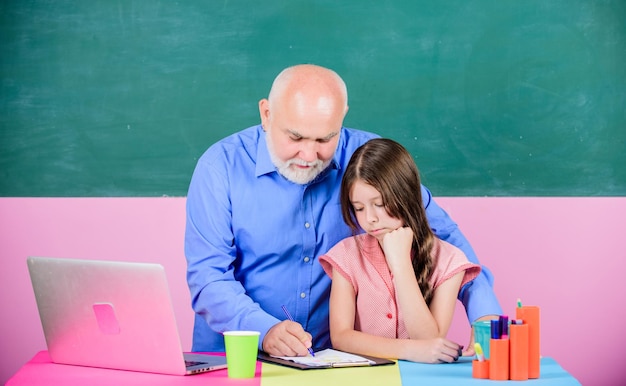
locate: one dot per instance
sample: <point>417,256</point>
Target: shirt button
<point>306,259</point>
<point>307,225</point>
<point>389,316</point>
<point>302,295</point>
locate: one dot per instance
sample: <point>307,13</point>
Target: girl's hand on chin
<point>397,247</point>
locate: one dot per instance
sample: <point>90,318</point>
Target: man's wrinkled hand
<point>287,338</point>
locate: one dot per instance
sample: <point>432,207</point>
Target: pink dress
<point>362,262</point>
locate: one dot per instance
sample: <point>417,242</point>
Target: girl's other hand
<point>437,350</point>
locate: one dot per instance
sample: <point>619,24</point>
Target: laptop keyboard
<point>193,363</point>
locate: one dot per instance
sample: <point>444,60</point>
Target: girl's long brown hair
<point>389,168</point>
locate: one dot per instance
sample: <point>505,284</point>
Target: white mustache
<point>299,162</point>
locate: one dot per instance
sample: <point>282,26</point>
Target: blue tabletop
<point>460,372</point>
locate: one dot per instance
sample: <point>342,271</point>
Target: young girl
<point>394,287</point>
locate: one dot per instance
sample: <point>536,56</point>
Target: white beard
<point>298,175</point>
<point>295,174</point>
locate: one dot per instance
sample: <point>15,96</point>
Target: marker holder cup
<point>482,334</point>
<point>480,369</point>
<point>530,315</point>
<point>499,361</point>
<point>519,352</point>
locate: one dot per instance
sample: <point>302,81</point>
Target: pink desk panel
<point>40,371</point>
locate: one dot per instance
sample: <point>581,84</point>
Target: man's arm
<point>217,295</point>
<point>477,296</point>
<point>210,251</point>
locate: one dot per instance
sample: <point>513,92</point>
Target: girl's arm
<point>444,301</point>
<point>420,321</point>
<point>344,337</point>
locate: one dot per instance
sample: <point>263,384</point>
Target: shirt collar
<point>264,164</point>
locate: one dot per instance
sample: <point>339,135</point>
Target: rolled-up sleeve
<point>477,296</point>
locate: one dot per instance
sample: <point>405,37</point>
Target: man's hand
<point>469,351</point>
<point>287,338</point>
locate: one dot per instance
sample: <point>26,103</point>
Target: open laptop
<point>111,314</point>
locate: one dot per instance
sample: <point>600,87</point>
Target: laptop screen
<point>107,314</point>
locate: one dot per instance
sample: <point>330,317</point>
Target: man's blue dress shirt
<point>252,240</point>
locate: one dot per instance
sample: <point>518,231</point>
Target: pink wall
<point>567,255</point>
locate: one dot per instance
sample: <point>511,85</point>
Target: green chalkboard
<point>493,98</point>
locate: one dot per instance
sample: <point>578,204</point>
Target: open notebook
<point>111,314</point>
<point>325,359</point>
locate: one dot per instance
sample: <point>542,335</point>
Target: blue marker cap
<point>504,325</point>
<point>495,329</point>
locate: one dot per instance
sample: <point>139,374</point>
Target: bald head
<point>308,85</point>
